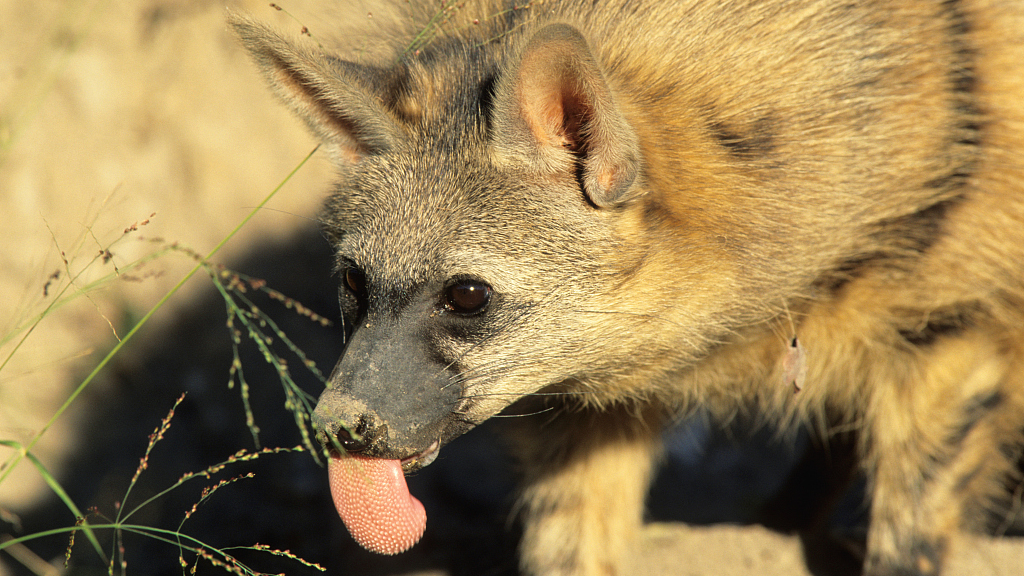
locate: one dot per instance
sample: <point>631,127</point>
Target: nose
<point>341,432</point>
<point>389,396</point>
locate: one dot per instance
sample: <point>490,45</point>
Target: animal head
<point>476,224</point>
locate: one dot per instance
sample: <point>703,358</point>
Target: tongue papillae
<point>375,504</point>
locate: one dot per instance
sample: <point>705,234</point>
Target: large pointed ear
<point>334,97</point>
<point>555,108</point>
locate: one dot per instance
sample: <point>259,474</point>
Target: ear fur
<point>332,96</point>
<point>555,108</point>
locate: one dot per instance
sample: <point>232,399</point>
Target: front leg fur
<point>942,442</point>
<point>586,477</point>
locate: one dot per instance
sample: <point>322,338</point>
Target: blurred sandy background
<point>116,112</point>
<point>110,112</point>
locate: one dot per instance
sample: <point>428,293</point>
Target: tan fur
<point>663,196</point>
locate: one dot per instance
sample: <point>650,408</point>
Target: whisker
<point>549,409</point>
<point>518,395</point>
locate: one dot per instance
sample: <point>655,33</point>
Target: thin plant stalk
<point>23,452</point>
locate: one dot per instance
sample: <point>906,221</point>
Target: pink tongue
<point>374,503</point>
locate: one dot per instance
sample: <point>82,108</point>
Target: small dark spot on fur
<point>919,231</point>
<point>1010,450</point>
<point>661,92</point>
<point>955,179</point>
<point>940,323</point>
<point>655,215</point>
<point>986,402</point>
<point>965,481</point>
<point>833,281</point>
<point>973,412</point>
<point>755,142</point>
<point>971,134</point>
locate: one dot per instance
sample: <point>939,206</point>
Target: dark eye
<point>467,297</point>
<point>355,280</point>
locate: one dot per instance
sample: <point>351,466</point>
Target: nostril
<point>354,440</point>
<point>349,442</point>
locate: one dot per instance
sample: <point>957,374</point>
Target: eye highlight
<point>467,297</point>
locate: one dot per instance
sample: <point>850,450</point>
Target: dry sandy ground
<point>676,550</point>
<point>115,112</point>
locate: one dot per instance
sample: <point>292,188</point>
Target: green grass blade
<point>59,491</point>
<point>14,460</point>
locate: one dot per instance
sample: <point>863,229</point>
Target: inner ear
<point>562,97</point>
<point>553,105</point>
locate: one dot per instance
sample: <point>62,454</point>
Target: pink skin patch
<point>374,502</point>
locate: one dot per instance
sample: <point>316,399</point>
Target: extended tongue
<point>375,504</point>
